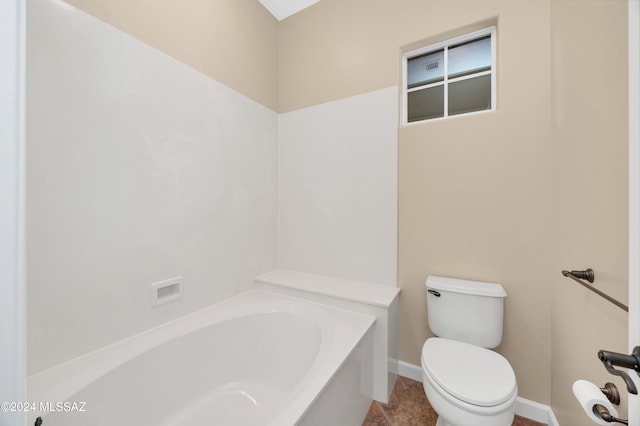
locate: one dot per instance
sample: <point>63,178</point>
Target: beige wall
<point>590,187</point>
<point>342,48</point>
<point>233,41</point>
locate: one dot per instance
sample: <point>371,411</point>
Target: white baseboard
<point>524,407</point>
<point>410,371</point>
<point>535,411</point>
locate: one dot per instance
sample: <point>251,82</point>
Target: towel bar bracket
<point>587,274</point>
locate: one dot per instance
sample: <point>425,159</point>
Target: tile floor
<point>409,406</point>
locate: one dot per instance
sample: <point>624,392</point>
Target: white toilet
<point>466,383</point>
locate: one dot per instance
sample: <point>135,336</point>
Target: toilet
<point>466,382</point>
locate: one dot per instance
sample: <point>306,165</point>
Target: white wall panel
<point>139,169</point>
<point>338,188</point>
<point>12,209</point>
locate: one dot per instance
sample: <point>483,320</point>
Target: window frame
<point>445,45</point>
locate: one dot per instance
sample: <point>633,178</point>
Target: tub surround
<point>139,169</point>
<point>379,301</point>
<point>338,188</point>
<point>349,290</point>
<point>142,169</point>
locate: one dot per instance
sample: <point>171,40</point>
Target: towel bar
<point>588,274</point>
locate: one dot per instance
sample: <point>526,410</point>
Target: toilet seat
<point>469,373</point>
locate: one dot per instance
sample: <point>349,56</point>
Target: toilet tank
<point>466,311</point>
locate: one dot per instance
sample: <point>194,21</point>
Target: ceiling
<point>282,9</point>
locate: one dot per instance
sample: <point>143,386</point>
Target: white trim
<point>445,111</point>
<point>634,194</point>
<point>524,407</point>
<point>535,411</point>
<point>469,77</point>
<point>12,207</point>
<point>456,40</point>
<point>403,90</point>
<point>426,86</point>
<point>410,371</point>
<point>451,117</point>
<point>494,69</point>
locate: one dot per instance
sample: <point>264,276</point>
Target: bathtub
<point>259,358</point>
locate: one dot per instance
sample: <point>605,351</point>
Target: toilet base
<point>442,422</point>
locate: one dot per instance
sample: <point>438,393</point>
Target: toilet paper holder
<point>611,392</point>
<point>603,413</point>
<point>609,359</point>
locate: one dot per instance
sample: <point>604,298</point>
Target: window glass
<point>425,69</point>
<point>471,57</point>
<point>470,95</point>
<point>426,103</point>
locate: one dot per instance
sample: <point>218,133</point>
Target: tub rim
<point>62,382</point>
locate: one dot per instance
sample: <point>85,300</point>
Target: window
<point>454,77</point>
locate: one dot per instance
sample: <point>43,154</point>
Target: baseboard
<point>535,411</point>
<point>410,371</point>
<point>524,407</point>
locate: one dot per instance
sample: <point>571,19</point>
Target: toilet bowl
<point>468,385</point>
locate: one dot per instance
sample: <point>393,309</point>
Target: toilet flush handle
<point>435,293</point>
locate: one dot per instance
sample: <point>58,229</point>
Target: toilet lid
<point>470,373</point>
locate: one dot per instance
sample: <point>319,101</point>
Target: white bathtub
<point>258,358</point>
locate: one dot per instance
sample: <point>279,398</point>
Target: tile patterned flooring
<point>408,406</point>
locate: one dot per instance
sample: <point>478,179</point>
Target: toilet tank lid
<point>465,286</point>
